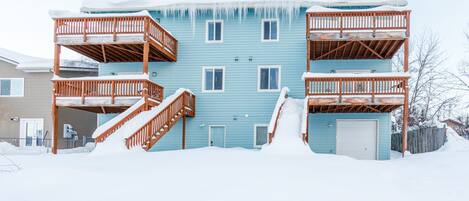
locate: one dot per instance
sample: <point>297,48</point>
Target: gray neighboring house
<point>26,103</point>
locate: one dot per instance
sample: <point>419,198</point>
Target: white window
<point>261,135</point>
<point>214,31</point>
<point>11,87</point>
<point>213,79</point>
<point>270,30</point>
<point>268,78</point>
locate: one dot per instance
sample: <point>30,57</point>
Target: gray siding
<point>36,103</point>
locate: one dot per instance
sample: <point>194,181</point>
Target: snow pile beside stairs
<point>288,137</point>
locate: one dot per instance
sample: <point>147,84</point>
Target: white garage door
<point>357,138</point>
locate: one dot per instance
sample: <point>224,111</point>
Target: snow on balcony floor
<point>97,101</point>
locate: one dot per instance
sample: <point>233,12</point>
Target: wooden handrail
<point>358,20</point>
<point>341,86</point>
<point>147,135</point>
<point>107,88</point>
<point>114,26</point>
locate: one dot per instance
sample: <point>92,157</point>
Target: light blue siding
<point>241,105</point>
<point>322,130</point>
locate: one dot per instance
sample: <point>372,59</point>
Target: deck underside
<point>354,104</point>
<point>329,46</point>
<point>105,49</point>
<point>97,104</point>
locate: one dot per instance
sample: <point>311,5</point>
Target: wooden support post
<point>55,122</point>
<point>57,50</point>
<point>405,114</point>
<point>55,127</point>
<point>146,53</point>
<point>183,131</point>
<point>308,44</point>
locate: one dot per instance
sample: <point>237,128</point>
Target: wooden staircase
<point>152,131</point>
<point>149,134</point>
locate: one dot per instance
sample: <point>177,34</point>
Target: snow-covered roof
<point>107,77</point>
<point>14,57</point>
<point>55,14</point>
<point>137,5</point>
<point>354,75</point>
<point>322,9</point>
<point>35,64</point>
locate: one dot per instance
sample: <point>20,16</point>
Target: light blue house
<point>235,57</point>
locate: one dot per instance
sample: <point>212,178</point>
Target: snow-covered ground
<point>214,174</point>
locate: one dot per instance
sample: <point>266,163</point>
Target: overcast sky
<point>27,28</point>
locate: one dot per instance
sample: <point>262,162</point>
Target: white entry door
<point>357,139</point>
<point>31,132</point>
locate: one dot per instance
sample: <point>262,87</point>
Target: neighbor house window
<point>260,135</point>
<point>269,78</point>
<point>11,87</point>
<point>214,31</point>
<point>270,30</point>
<point>213,79</point>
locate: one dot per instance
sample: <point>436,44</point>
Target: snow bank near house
<point>288,137</point>
<point>9,149</point>
<point>455,142</point>
<point>115,143</point>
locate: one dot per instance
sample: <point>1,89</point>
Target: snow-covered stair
<point>286,129</point>
<point>147,127</point>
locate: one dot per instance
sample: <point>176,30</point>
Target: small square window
<point>260,135</point>
<point>214,31</point>
<point>270,30</point>
<point>269,78</point>
<point>213,79</point>
<point>11,87</point>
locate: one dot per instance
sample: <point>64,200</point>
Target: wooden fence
<point>421,140</point>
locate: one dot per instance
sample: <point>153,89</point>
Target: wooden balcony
<point>356,35</point>
<point>104,96</point>
<point>116,38</point>
<point>348,94</point>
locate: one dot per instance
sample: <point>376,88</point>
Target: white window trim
<point>278,30</point>
<point>222,31</point>
<point>203,79</point>
<point>255,134</point>
<point>259,78</point>
<point>14,96</point>
<point>210,134</point>
<point>377,133</point>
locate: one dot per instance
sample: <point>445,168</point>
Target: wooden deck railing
<point>365,86</point>
<point>160,124</point>
<point>116,26</point>
<point>358,21</point>
<point>107,88</point>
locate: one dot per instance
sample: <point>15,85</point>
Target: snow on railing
<point>276,114</point>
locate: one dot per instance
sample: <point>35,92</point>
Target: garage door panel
<point>357,138</point>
